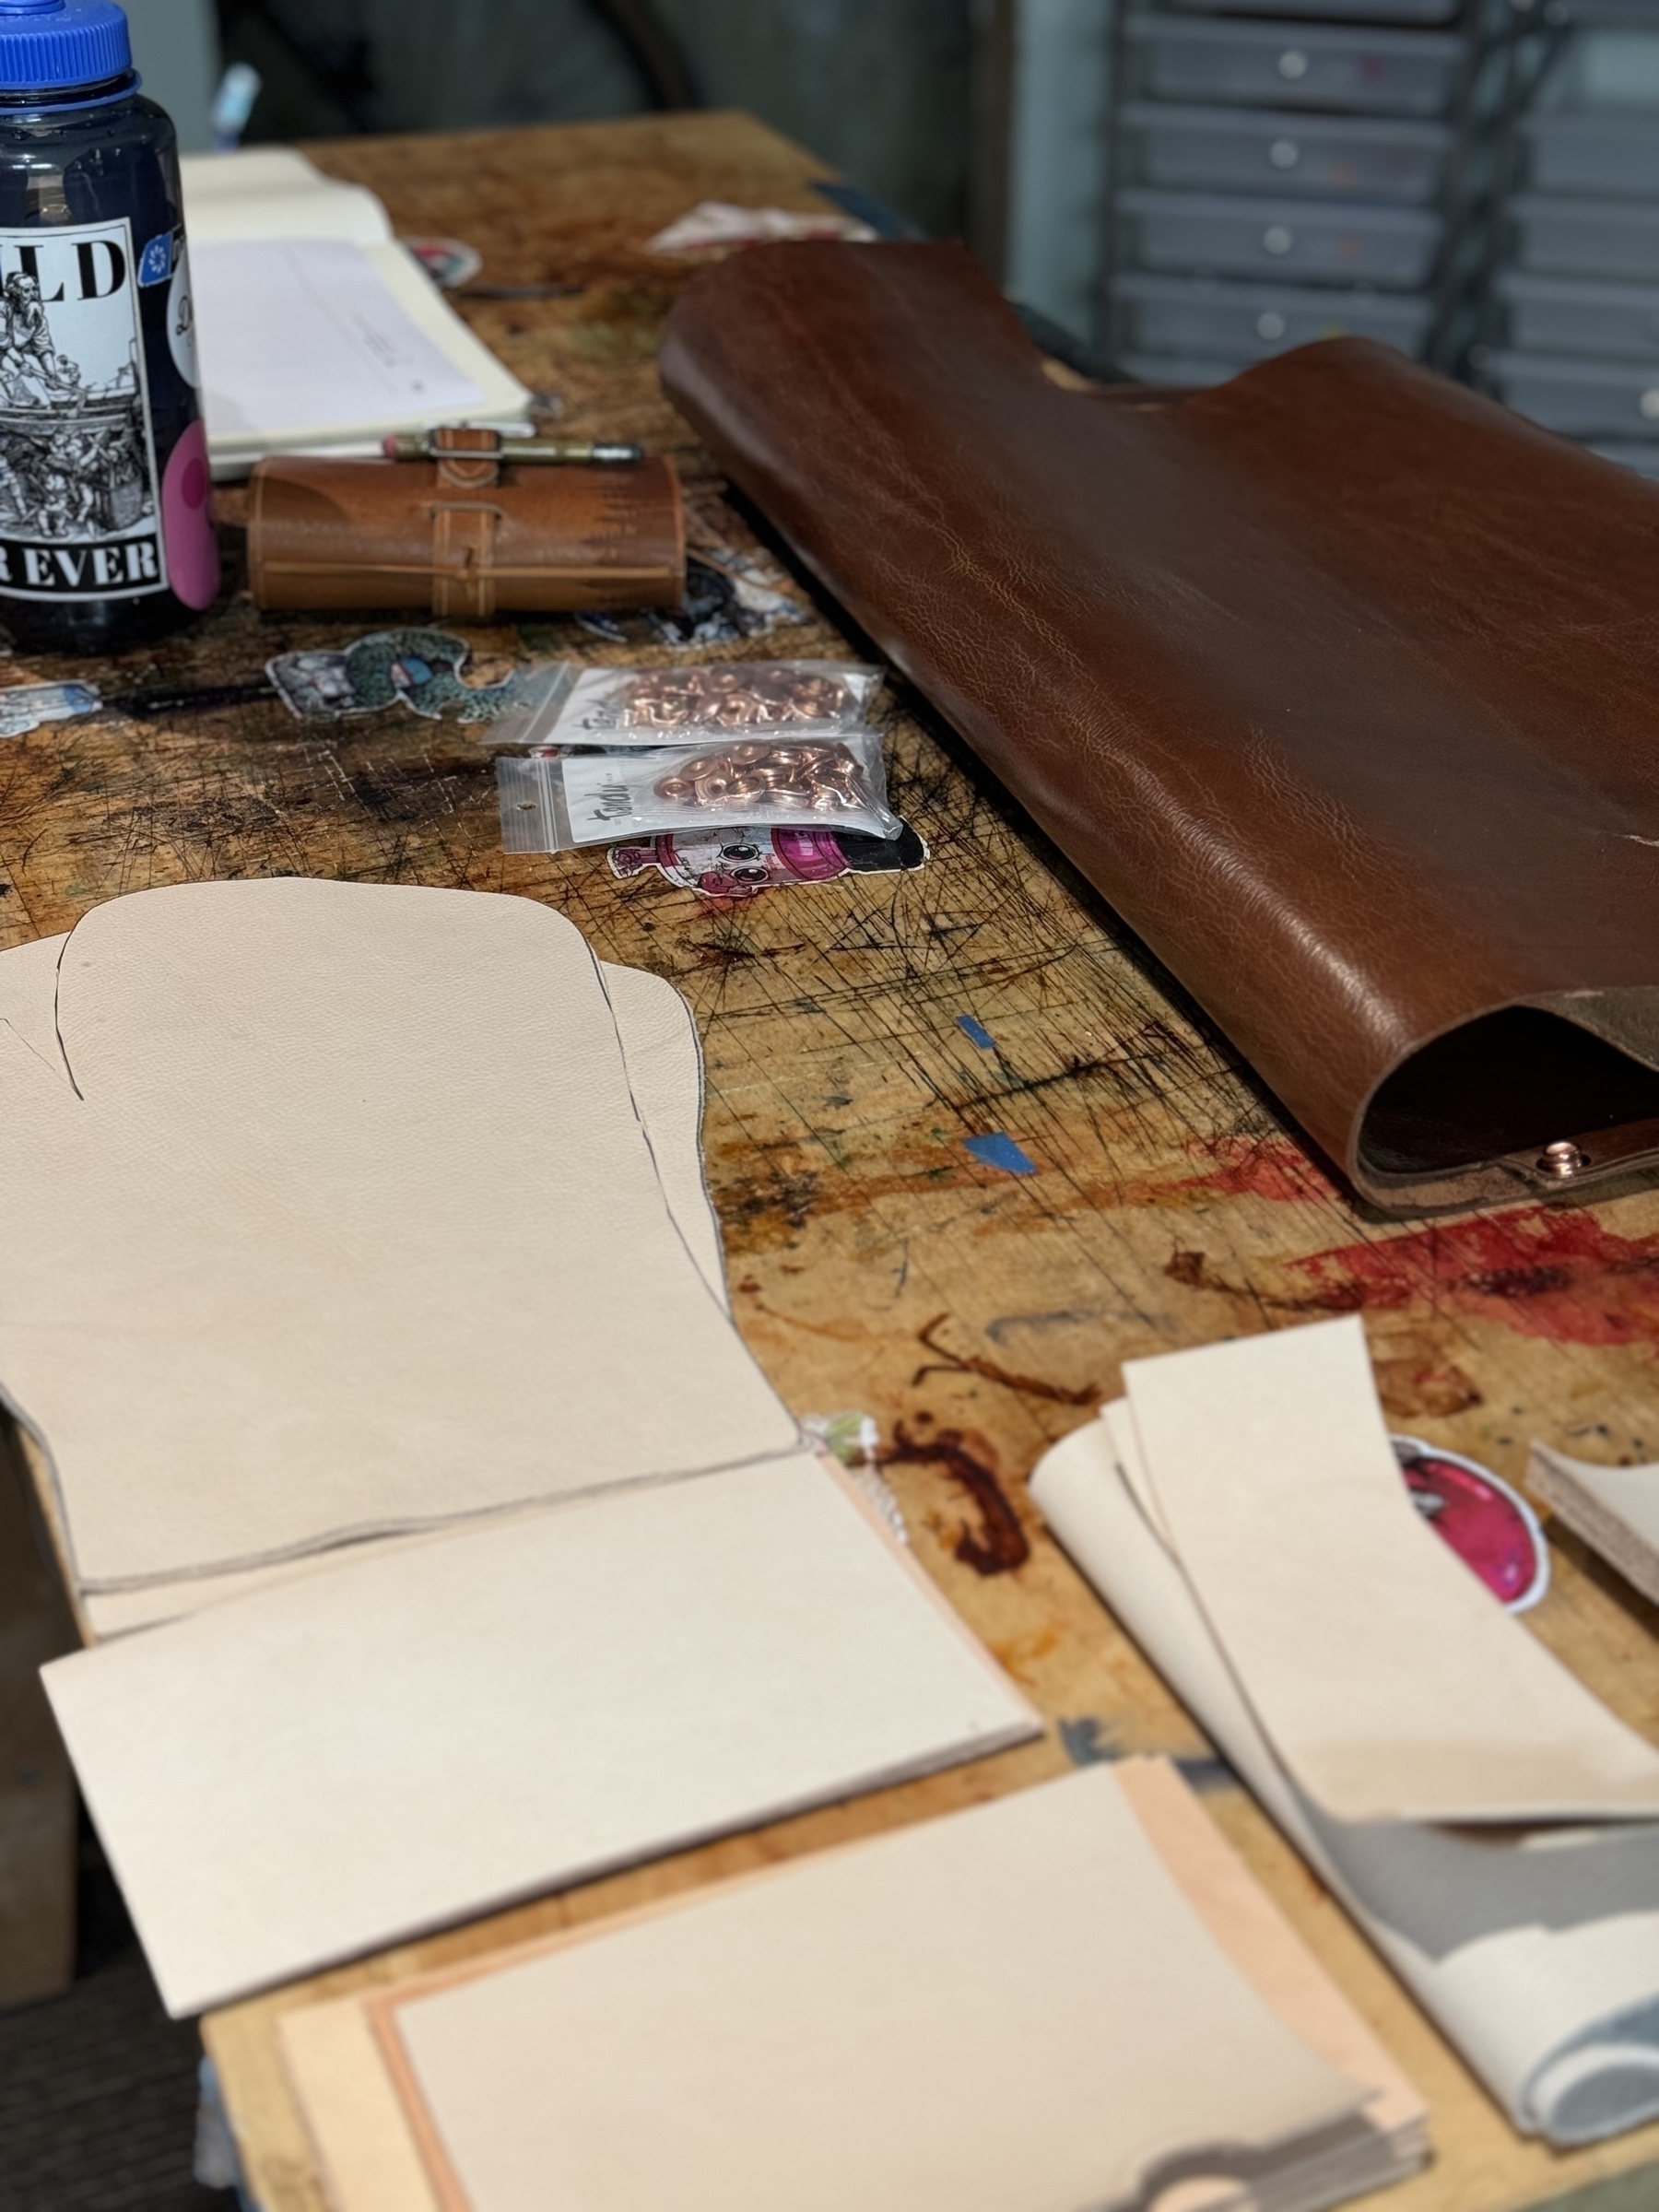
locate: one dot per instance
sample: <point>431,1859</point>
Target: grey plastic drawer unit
<point>1586,399</point>
<point>1631,453</point>
<point>1316,241</point>
<point>1578,316</point>
<point>1358,11</point>
<point>1594,153</point>
<point>1258,150</point>
<point>1175,369</point>
<point>1208,316</point>
<point>1280,65</point>
<point>1586,238</point>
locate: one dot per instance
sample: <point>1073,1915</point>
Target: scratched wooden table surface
<point>856,1034</point>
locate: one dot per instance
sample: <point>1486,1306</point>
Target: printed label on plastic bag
<point>616,707</point>
<point>550,804</point>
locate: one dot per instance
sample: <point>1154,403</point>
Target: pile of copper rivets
<point>794,779</point>
<point>729,698</point>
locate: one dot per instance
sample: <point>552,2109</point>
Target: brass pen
<point>548,453</point>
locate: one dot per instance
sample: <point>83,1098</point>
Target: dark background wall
<point>877,87</point>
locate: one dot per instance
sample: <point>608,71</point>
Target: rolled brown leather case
<point>466,536</point>
<point>1340,682</point>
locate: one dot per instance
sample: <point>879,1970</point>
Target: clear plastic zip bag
<point>569,704</point>
<point>556,802</point>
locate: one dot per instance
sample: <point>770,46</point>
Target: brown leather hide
<point>1340,682</point>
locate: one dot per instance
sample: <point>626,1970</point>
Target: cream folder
<point>347,1225</point>
<point>1008,2009</point>
<point>388,1744</point>
<point>1535,1950</point>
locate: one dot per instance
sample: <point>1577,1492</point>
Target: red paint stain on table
<point>1254,1167</point>
<point>1544,1273</point>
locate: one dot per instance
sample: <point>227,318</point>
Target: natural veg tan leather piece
<point>1336,680</point>
<point>1535,1950</point>
<point>287,1270</point>
<point>1615,1510</point>
<point>369,2154</point>
<point>819,2037</point>
<point>465,536</point>
<point>417,1737</point>
<point>1274,1477</point>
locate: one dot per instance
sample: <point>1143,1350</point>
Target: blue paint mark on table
<point>977,1031</point>
<point>999,1150</point>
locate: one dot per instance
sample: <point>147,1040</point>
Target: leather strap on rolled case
<point>466,536</point>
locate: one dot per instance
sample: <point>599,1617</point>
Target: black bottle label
<point>78,502</point>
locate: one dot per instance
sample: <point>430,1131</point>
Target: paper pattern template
<point>663,1062</point>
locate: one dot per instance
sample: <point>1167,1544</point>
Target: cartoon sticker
<point>1490,1527</point>
<point>418,668</point>
<point>741,864</point>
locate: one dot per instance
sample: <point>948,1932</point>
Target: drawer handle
<point>1649,402</point>
<point>1269,325</point>
<point>1293,63</point>
<point>1278,239</point>
<point>1284,153</point>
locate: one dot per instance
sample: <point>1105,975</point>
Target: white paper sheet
<point>274,192</point>
<point>300,337</point>
<point>317,331</point>
<point>1536,1952</point>
<point>381,1746</point>
<point>1010,2009</point>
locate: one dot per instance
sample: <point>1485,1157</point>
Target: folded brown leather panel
<point>1339,682</point>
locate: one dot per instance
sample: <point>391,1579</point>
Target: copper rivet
<point>1562,1160</point>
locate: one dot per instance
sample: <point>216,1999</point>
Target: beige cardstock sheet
<point>392,1743</point>
<point>1343,1615</point>
<point>1536,1951</point>
<point>349,1225</point>
<point>1615,1510</point>
<point>817,2038</point>
<point>370,2159</point>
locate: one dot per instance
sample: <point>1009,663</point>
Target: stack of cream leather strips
<point>1488,1823</point>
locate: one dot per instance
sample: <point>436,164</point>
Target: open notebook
<point>318,331</point>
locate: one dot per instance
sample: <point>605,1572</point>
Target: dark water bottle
<point>106,537</point>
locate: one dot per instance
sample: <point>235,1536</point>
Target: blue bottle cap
<point>54,45</point>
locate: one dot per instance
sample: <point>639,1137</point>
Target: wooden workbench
<point>876,1262</point>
